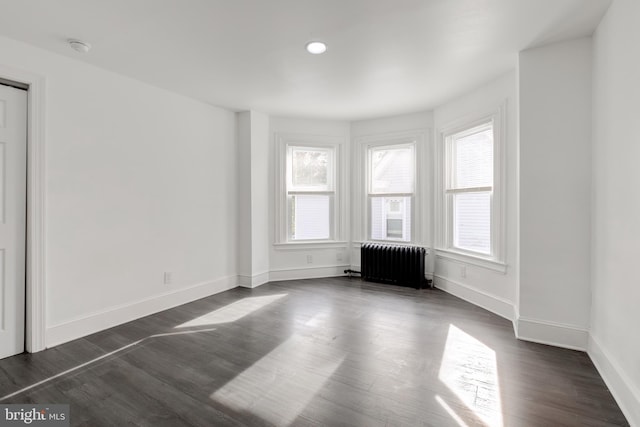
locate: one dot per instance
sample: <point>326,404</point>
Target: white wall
<point>139,181</point>
<point>253,196</point>
<point>555,198</point>
<point>488,288</point>
<point>292,263</point>
<point>244,253</point>
<point>260,155</point>
<point>615,313</point>
<point>405,122</point>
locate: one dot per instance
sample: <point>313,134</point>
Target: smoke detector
<point>79,45</point>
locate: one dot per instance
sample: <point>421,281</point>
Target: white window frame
<point>444,206</point>
<point>338,223</point>
<point>371,194</point>
<point>361,213</point>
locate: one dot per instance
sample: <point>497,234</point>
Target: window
<point>310,192</point>
<point>470,186</point>
<point>391,178</point>
<point>470,203</point>
<point>391,188</point>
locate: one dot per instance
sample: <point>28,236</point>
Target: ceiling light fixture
<point>79,45</point>
<point>316,47</point>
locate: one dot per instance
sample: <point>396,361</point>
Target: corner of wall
<point>253,281</point>
<point>551,333</point>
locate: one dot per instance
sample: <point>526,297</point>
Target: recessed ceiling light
<point>79,45</point>
<point>316,48</point>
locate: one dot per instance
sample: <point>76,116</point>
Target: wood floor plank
<point>320,352</point>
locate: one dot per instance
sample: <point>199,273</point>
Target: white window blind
<point>310,217</point>
<point>470,187</point>
<point>310,192</point>
<point>390,190</point>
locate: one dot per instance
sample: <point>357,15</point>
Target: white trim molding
<point>551,333</point>
<point>36,189</point>
<point>492,303</point>
<point>358,245</point>
<point>626,394</point>
<point>299,273</point>
<point>253,281</point>
<point>453,256</point>
<point>294,246</point>
<point>113,316</point>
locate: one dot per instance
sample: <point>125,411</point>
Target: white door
<point>13,202</point>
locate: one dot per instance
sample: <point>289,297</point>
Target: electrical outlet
<point>463,271</point>
<point>168,277</point>
<point>309,259</point>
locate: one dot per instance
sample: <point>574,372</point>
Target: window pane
<point>391,218</point>
<point>472,221</point>
<point>394,228</point>
<point>474,160</point>
<point>310,217</point>
<point>392,170</point>
<point>310,168</point>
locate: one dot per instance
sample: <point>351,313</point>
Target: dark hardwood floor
<point>334,352</point>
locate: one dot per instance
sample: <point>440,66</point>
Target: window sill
<point>292,246</point>
<point>357,244</point>
<point>478,261</point>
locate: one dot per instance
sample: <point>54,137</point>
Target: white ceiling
<point>385,57</point>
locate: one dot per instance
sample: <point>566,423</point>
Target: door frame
<point>35,326</point>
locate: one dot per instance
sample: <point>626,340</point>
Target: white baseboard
<point>253,281</point>
<point>552,333</point>
<point>428,275</point>
<point>307,272</point>
<point>95,322</point>
<point>492,303</point>
<point>626,394</point>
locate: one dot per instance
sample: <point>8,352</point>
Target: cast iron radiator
<point>402,265</point>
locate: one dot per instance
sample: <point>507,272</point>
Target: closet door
<point>13,202</point>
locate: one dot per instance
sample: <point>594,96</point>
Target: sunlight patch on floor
<point>319,319</point>
<point>114,353</point>
<point>232,312</point>
<point>470,371</point>
<point>279,386</point>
